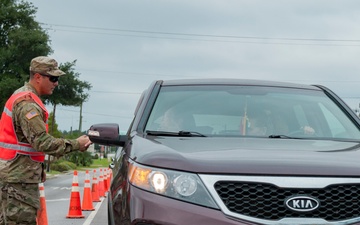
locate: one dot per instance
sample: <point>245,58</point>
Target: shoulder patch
<point>31,114</point>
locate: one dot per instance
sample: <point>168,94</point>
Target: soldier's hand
<point>84,142</point>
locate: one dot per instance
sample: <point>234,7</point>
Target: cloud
<point>123,46</point>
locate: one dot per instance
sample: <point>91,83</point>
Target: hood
<point>245,156</point>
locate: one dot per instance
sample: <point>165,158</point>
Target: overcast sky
<point>121,46</point>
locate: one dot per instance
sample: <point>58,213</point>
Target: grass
<point>97,163</point>
<point>53,172</point>
<point>100,163</point>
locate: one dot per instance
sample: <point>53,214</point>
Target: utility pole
<point>48,160</point>
<point>80,120</point>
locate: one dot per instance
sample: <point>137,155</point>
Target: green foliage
<point>53,128</point>
<point>62,165</point>
<point>79,158</point>
<point>72,134</point>
<point>101,162</point>
<point>71,91</point>
<point>7,86</point>
<point>21,39</point>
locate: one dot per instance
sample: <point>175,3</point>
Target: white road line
<point>61,188</point>
<point>65,188</point>
<point>93,213</point>
<point>57,200</point>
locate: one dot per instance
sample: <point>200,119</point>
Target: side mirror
<point>105,134</point>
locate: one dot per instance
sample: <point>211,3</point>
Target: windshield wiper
<point>181,133</point>
<point>282,136</point>
<point>191,133</point>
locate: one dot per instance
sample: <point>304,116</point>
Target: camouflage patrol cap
<point>45,65</point>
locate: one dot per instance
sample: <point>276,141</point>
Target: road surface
<point>58,190</point>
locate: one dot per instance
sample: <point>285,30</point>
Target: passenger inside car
<point>261,123</point>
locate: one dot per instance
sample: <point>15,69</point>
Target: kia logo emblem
<point>302,203</point>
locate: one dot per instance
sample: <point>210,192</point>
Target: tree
<point>71,91</point>
<point>52,125</point>
<point>80,158</point>
<point>21,39</point>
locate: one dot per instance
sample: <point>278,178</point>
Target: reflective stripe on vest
<point>7,112</point>
<point>9,145</point>
<point>17,147</point>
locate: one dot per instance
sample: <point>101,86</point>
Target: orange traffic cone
<point>105,181</point>
<point>41,218</point>
<point>109,178</point>
<point>101,184</point>
<point>87,204</point>
<point>94,189</point>
<point>75,207</point>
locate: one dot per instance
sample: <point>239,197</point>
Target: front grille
<point>266,201</point>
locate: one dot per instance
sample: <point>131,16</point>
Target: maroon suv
<point>230,151</point>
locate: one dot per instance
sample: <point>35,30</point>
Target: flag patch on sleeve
<point>31,115</point>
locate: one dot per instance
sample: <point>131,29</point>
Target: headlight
<point>179,185</point>
<point>185,185</point>
<point>158,181</point>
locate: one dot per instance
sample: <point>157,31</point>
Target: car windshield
<point>251,111</point>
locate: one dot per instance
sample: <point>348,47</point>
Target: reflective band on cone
<point>42,213</point>
<point>101,184</point>
<point>94,189</point>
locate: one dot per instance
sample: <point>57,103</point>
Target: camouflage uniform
<point>19,178</point>
<point>19,202</point>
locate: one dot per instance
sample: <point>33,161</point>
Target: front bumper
<point>151,209</point>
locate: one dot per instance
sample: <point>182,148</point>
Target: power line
<point>118,92</point>
<point>192,76</point>
<point>222,41</point>
<point>208,35</point>
<point>136,73</point>
<point>97,114</point>
<point>216,38</point>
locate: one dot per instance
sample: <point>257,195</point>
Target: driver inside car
<point>175,120</point>
<point>256,127</point>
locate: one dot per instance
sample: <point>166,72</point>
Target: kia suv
<point>233,151</point>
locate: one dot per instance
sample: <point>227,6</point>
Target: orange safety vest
<point>10,147</point>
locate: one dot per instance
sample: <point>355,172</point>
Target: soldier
<point>24,141</point>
